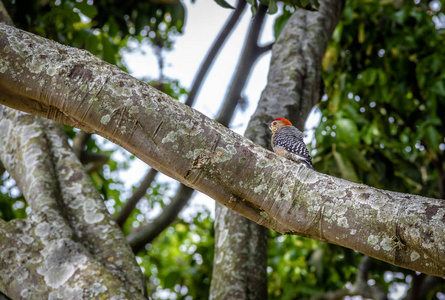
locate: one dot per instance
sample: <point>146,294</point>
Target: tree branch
<point>263,49</point>
<point>93,161</point>
<point>241,243</point>
<point>217,45</point>
<point>428,284</point>
<point>137,195</point>
<point>2,169</point>
<point>149,230</point>
<point>359,288</point>
<point>48,246</point>
<point>147,234</point>
<point>74,87</point>
<point>294,74</point>
<point>59,238</point>
<point>248,57</point>
<point>79,143</point>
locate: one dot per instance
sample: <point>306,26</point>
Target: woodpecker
<point>287,141</point>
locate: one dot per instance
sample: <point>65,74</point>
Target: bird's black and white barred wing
<point>291,139</point>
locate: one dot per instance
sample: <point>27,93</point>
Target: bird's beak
<point>268,124</point>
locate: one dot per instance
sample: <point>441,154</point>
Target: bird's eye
<point>274,123</point>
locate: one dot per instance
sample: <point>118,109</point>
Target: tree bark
<point>294,83</point>
<point>68,246</point>
<point>292,90</point>
<point>239,269</point>
<point>72,86</point>
<point>184,193</point>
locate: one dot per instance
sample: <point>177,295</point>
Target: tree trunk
<point>293,88</point>
<point>239,269</point>
<point>68,246</point>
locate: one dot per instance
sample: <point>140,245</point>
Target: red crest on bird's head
<point>285,121</point>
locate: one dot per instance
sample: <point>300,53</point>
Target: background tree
<point>382,125</point>
<point>343,134</point>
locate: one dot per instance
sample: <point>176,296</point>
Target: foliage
<point>101,27</point>
<point>382,125</point>
<point>299,266</point>
<point>281,20</point>
<point>178,264</point>
<point>385,98</point>
<point>12,203</point>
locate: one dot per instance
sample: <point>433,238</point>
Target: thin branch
<point>92,161</point>
<point>438,162</point>
<point>137,195</point>
<point>428,284</point>
<point>148,233</point>
<point>417,282</point>
<point>4,16</point>
<point>79,143</point>
<point>248,57</point>
<point>2,168</point>
<point>263,49</point>
<point>216,47</point>
<point>359,288</point>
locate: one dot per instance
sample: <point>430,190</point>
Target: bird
<point>287,141</point>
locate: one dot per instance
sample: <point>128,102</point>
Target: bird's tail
<point>300,160</point>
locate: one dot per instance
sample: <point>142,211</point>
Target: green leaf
<point>334,102</point>
<point>108,50</point>
<point>113,26</point>
<point>369,76</point>
<point>272,7</point>
<point>347,131</point>
<point>358,158</point>
<point>224,4</point>
<point>439,88</point>
<point>345,166</point>
<point>304,3</point>
<point>311,5</point>
<point>253,6</point>
<point>432,138</point>
<point>88,10</point>
<point>171,279</point>
<point>280,22</point>
<point>177,13</point>
<point>368,133</point>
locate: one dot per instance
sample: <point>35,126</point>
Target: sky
<point>204,19</point>
<point>203,23</point>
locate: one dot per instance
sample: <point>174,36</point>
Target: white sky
<point>203,23</point>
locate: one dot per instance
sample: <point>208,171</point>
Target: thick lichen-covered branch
<point>68,245</point>
<point>74,87</point>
